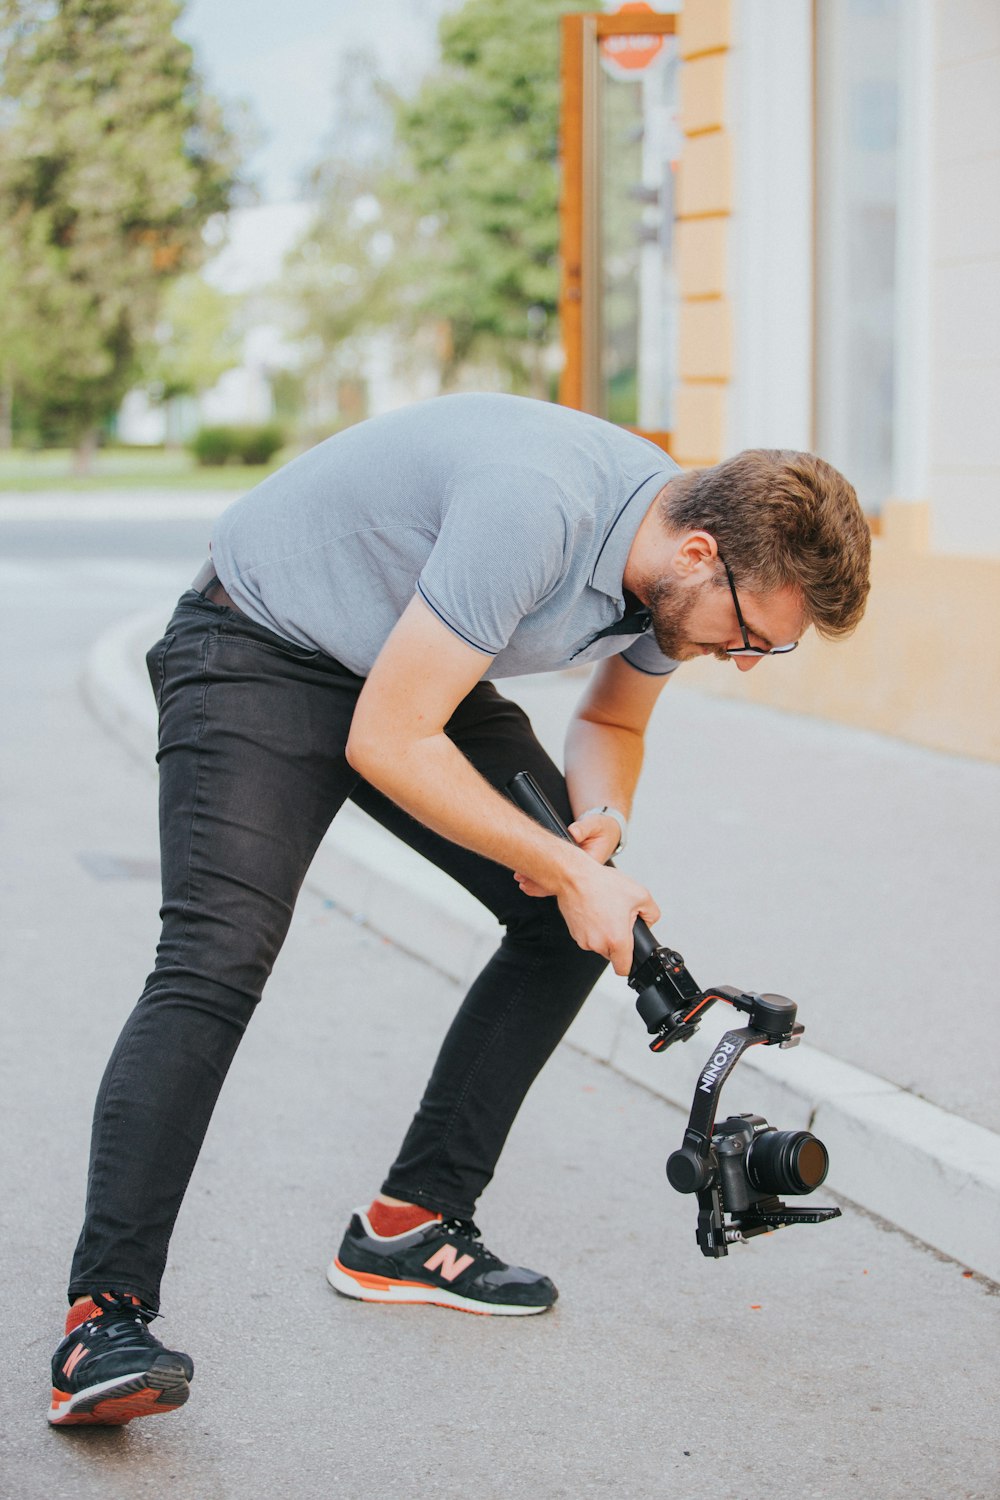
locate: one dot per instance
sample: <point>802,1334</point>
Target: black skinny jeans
<point>252,771</point>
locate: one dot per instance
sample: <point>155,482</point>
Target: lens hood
<point>787,1161</point>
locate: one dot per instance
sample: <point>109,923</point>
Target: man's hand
<point>603,758</point>
<point>601,905</point>
<point>596,835</point>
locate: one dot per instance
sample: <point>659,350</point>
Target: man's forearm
<point>434,781</point>
<point>398,743</point>
<point>603,762</point>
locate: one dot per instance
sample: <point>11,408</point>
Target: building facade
<point>834,285</point>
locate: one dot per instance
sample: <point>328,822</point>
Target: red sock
<point>397,1218</point>
<point>81,1311</point>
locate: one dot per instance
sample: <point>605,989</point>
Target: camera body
<point>739,1168</point>
<point>755,1162</point>
<point>748,1162</point>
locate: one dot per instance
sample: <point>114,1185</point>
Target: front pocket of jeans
<point>272,647</point>
<point>156,659</point>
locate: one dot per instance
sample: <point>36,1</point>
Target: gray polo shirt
<point>511,518</point>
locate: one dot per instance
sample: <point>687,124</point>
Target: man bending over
<point>344,641</point>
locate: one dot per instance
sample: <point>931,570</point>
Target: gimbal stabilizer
<point>740,1167</point>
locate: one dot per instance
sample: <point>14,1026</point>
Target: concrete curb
<point>150,504</point>
<point>926,1171</point>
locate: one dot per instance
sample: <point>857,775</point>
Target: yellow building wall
<point>924,664</point>
<point>704,205</point>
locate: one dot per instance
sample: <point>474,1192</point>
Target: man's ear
<point>696,554</point>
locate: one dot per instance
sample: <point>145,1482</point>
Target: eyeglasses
<point>746,649</point>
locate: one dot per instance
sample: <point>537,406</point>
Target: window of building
<point>859,50</point>
<point>620,140</point>
<point>640,143</point>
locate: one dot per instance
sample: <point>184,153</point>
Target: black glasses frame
<point>746,649</point>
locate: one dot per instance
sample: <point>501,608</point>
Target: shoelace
<point>465,1229</point>
<point>116,1307</point>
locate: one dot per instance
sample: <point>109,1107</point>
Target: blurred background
<point>226,232</point>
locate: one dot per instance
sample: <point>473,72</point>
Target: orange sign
<point>633,52</point>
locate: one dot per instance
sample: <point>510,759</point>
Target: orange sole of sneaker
<point>119,1401</point>
<point>365,1286</point>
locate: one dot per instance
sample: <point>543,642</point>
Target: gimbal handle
<point>668,998</point>
<point>525,791</point>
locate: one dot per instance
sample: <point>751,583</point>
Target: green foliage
<point>347,275</point>
<point>439,214</point>
<point>344,275</point>
<point>480,142</point>
<point>111,159</point>
<point>258,445</point>
<point>213,446</point>
<point>121,468</point>
<point>196,339</point>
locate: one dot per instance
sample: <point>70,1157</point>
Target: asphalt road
<point>841,1362</point>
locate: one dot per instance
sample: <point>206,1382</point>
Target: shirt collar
<point>608,571</point>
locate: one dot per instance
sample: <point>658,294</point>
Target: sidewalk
<point>858,875</point>
<point>847,1350</point>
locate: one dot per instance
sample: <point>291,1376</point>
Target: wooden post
<point>579,210</point>
<point>571,212</point>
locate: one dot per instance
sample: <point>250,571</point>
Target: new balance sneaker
<point>109,1368</point>
<point>443,1261</point>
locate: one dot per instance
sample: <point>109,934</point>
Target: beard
<point>670,606</point>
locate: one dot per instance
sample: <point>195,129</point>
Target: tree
<point>480,144</point>
<point>196,339</point>
<point>439,213</point>
<point>349,274</point>
<point>112,157</point>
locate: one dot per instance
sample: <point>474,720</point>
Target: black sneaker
<point>442,1262</point>
<point>109,1368</point>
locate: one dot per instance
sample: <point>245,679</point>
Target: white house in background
<point>253,243</point>
<point>248,264</point>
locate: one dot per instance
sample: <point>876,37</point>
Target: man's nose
<point>747,663</point>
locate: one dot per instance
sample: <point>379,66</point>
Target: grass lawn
<point>127,468</point>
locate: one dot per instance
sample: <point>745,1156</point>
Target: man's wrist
<point>619,817</point>
<point>570,869</point>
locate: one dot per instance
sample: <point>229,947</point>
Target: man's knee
<point>219,991</point>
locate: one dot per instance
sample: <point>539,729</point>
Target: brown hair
<point>782,518</point>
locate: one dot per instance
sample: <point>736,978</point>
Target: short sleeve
<point>646,656</point>
<point>500,550</point>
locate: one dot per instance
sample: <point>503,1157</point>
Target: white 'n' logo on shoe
<point>448,1262</point>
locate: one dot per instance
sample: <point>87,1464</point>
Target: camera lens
<point>787,1161</point>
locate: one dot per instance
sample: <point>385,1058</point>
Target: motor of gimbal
<point>739,1167</point>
